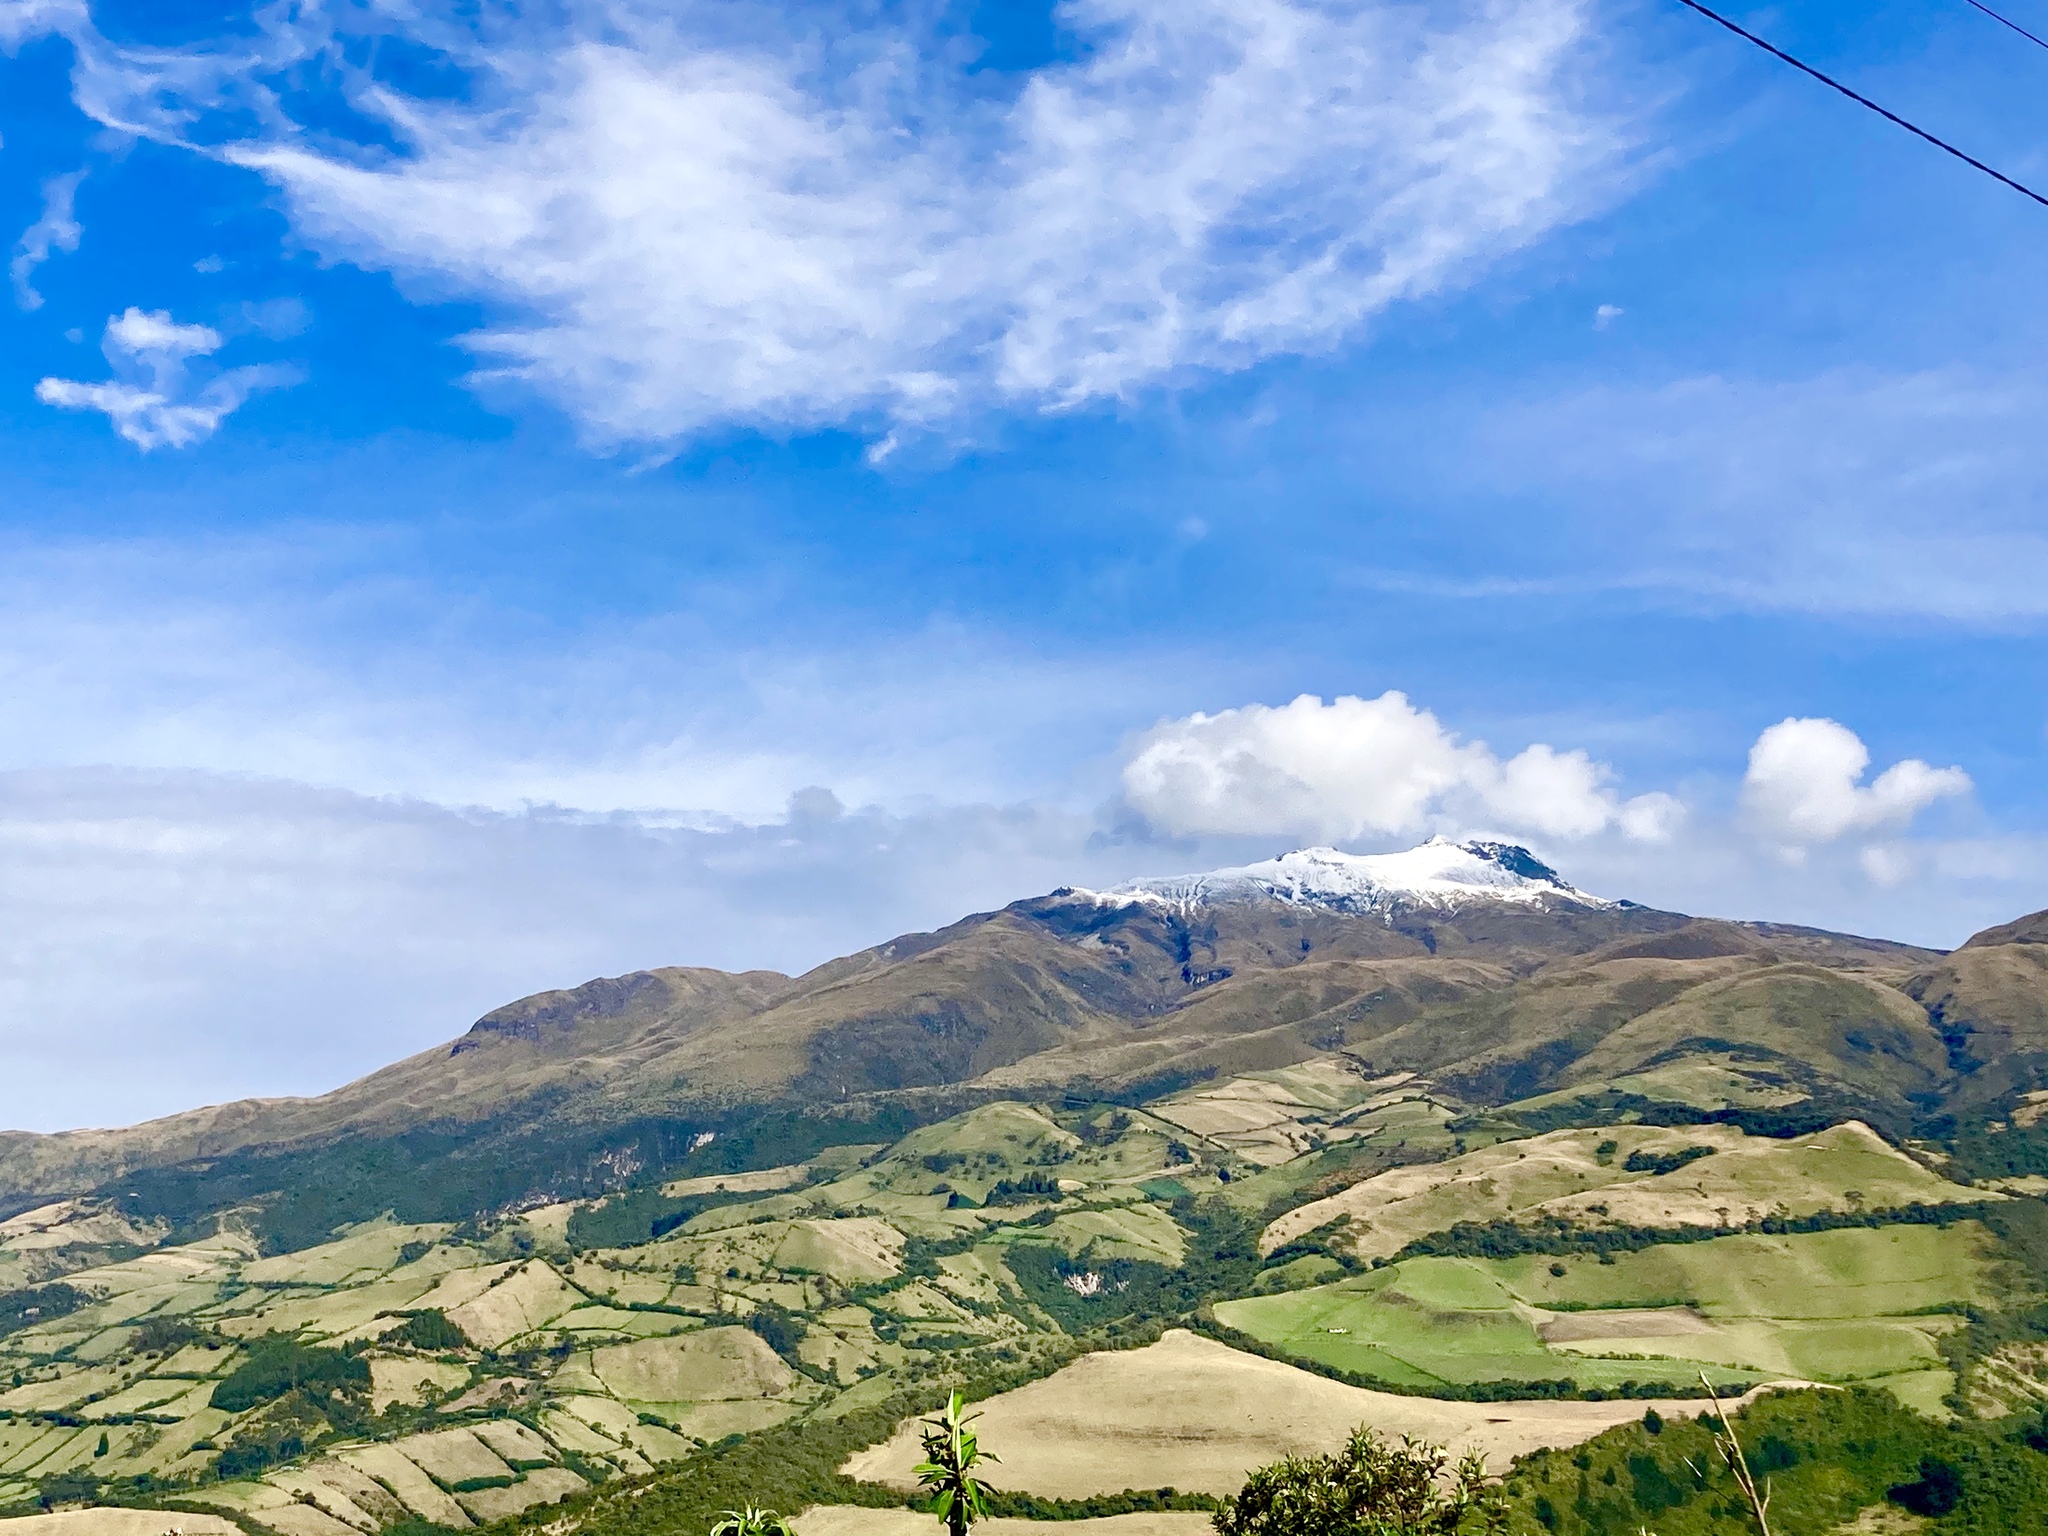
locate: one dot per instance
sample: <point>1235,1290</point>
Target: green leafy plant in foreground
<point>951,1453</point>
<point>1371,1487</point>
<point>750,1521</point>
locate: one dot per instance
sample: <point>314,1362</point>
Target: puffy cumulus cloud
<point>153,400</point>
<point>1356,768</point>
<point>1805,787</point>
<point>688,217</point>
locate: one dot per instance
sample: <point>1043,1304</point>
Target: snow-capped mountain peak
<point>1440,873</point>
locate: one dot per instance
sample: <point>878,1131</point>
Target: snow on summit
<point>1440,873</point>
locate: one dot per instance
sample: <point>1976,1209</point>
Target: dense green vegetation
<point>781,1331</point>
<point>1826,1455</point>
<point>295,1199</point>
<point>427,1329</point>
<point>1559,1236</point>
<point>637,1216</point>
<point>164,1335</point>
<point>1222,1260</point>
<point>278,1363</point>
<point>38,1304</point>
<point>1665,1162</point>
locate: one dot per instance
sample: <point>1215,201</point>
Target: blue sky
<point>473,479</point>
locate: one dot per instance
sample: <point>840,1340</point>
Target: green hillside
<point>666,1242</point>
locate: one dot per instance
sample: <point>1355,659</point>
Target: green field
<point>1863,1304</point>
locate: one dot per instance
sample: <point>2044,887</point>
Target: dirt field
<point>716,1364</point>
<point>122,1522</point>
<point>1190,1413</point>
<point>846,1520</point>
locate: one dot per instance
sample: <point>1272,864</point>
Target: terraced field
<point>1863,1304</point>
<point>463,1377</point>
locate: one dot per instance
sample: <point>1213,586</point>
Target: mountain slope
<point>1474,964</point>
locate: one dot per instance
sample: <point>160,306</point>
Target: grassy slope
<point>1567,1173</point>
<point>895,1267</point>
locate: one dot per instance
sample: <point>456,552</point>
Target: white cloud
<point>56,230</point>
<point>1887,863</point>
<point>767,222</point>
<point>152,401</point>
<point>23,21</point>
<point>1355,768</point>
<point>1804,787</point>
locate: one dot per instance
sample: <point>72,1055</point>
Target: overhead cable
<point>2007,21</point>
<point>1865,101</point>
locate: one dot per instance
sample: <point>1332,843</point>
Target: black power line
<point>1865,101</point>
<point>2007,21</point>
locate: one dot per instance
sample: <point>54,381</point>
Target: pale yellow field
<point>853,1248</point>
<point>402,1380</point>
<point>514,1442</point>
<point>759,1182</point>
<point>849,1520</point>
<point>340,1491</point>
<point>451,1455</point>
<point>531,1296</point>
<point>711,1365</point>
<point>120,1522</point>
<point>1562,1174</point>
<point>1194,1414</point>
<point>546,1485</point>
<point>419,1493</point>
<point>1270,1118</point>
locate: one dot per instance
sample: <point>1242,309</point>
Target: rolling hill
<point>1431,1139</point>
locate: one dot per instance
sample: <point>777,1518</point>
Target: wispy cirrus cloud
<point>1848,493</point>
<point>57,229</point>
<point>682,221</point>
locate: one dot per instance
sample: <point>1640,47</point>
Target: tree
<point>749,1521</point>
<point>951,1453</point>
<point>1369,1488</point>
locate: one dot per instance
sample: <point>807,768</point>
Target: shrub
<point>779,1330</point>
<point>1664,1162</point>
<point>429,1330</point>
<point>1369,1488</point>
<point>162,1335</point>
